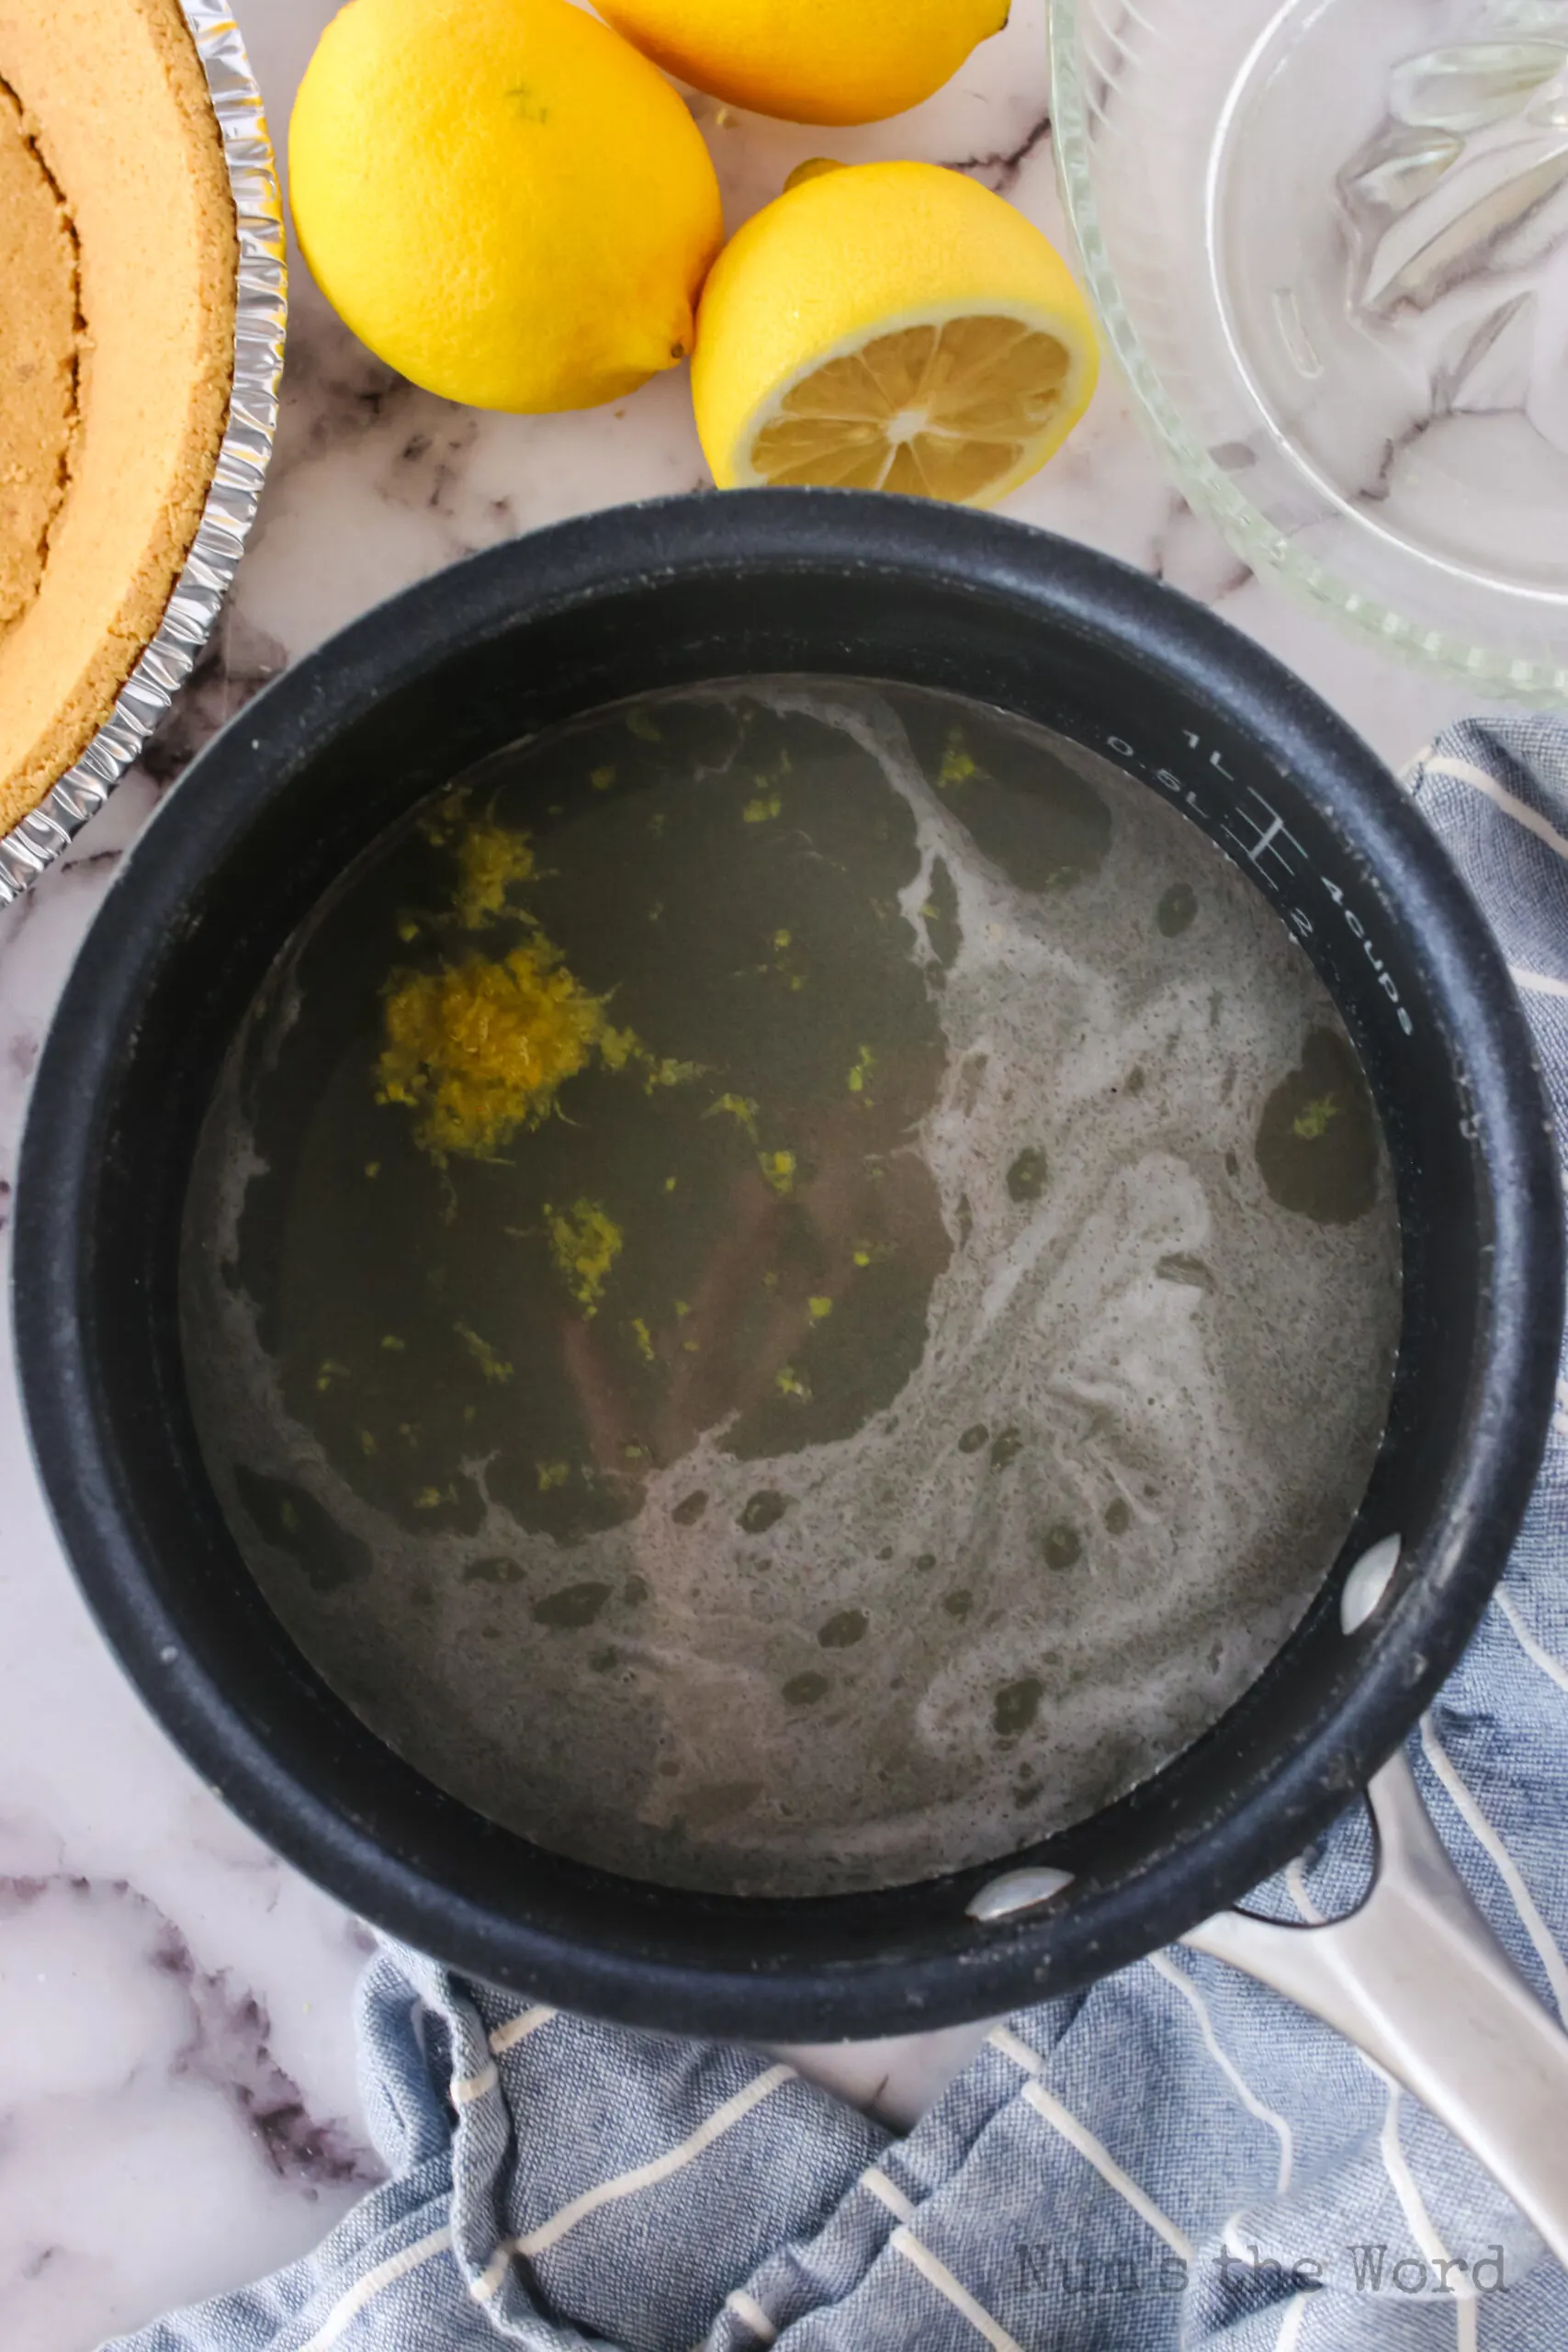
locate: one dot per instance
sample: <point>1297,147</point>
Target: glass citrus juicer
<point>1327,243</point>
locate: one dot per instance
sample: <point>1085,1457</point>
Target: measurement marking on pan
<point>1357,929</point>
<point>1270,837</point>
<point>1256,829</point>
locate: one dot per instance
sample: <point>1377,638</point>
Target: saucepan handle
<point>1418,1980</point>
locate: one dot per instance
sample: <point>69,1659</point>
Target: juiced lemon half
<point>890,326</point>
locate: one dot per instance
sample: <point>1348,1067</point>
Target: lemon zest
<point>739,1107</point>
<point>1313,1121</point>
<point>667,1071</point>
<point>618,1047</point>
<point>957,762</point>
<point>493,1365</point>
<point>478,1049</point>
<point>585,1242</point>
<point>778,1171</point>
<point>491,858</point>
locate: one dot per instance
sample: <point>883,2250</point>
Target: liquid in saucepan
<point>791,1286</point>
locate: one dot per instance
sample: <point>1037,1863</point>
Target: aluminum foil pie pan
<point>260,311</point>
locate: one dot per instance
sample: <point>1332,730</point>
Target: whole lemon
<point>889,326</point>
<point>810,61</point>
<point>502,198</point>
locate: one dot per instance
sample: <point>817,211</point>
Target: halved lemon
<point>890,326</point>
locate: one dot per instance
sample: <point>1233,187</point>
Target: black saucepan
<point>660,595</point>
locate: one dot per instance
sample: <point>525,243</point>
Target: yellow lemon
<point>889,326</point>
<point>810,61</point>
<point>502,198</point>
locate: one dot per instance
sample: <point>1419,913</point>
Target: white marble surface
<point>177,2108</point>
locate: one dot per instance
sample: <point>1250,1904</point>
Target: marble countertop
<point>177,2106</point>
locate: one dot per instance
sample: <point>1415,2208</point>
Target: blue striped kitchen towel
<point>1177,2157</point>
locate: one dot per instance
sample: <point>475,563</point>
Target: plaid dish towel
<point>1177,2157</point>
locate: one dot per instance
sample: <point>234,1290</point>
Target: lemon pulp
<point>944,410</point>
